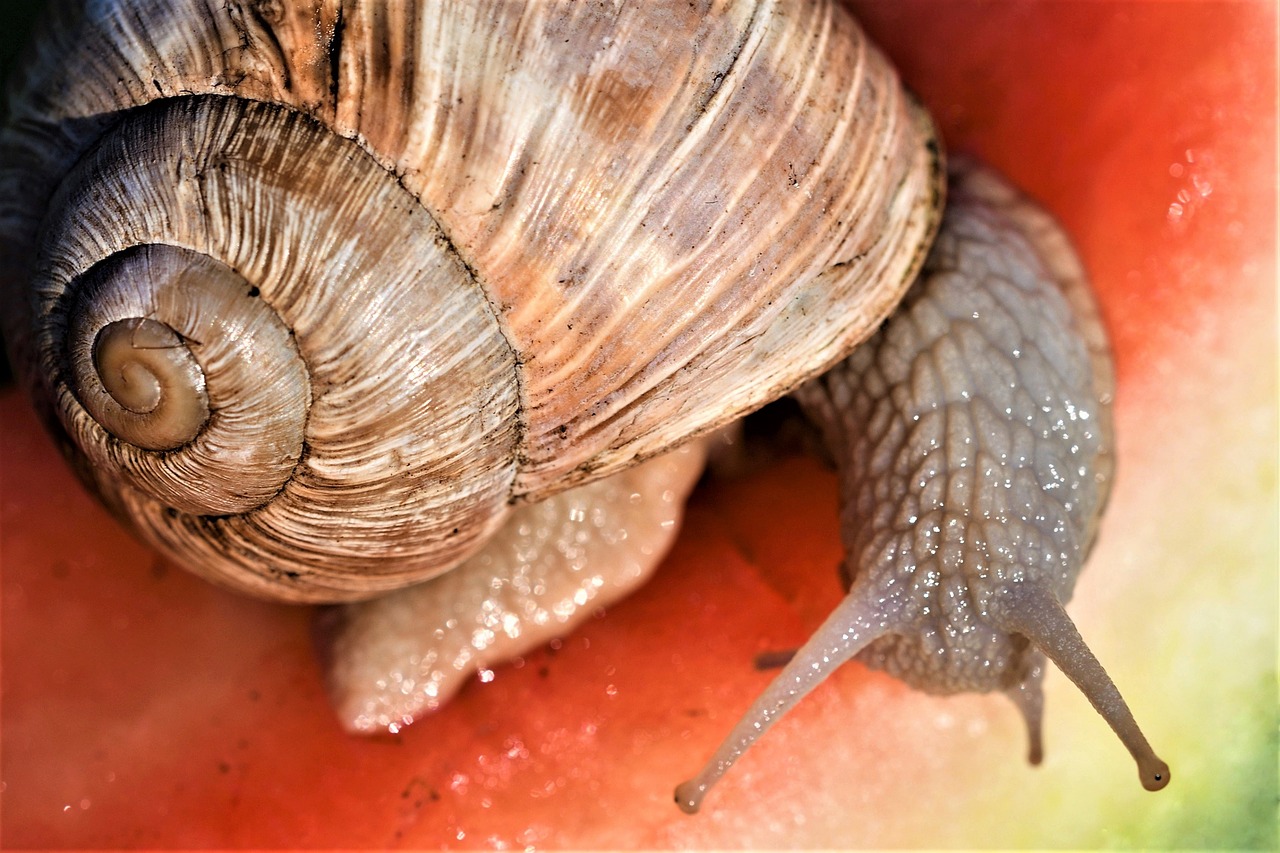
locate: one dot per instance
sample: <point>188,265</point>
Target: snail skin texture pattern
<point>423,310</point>
<point>973,439</point>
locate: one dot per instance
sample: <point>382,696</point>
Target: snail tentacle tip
<point>689,795</point>
<point>1028,697</point>
<point>1153,772</point>
<point>1035,749</point>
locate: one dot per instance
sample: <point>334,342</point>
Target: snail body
<point>495,250</point>
<point>973,439</point>
<point>394,658</point>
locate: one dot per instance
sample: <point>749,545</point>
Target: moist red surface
<point>142,707</point>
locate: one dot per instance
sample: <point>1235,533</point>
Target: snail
<point>320,296</point>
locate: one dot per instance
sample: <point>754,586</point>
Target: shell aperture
<point>972,436</point>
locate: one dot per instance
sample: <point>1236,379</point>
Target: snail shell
<point>321,290</point>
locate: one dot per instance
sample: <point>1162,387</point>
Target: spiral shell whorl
<point>231,390</point>
<point>152,390</point>
<point>361,398</point>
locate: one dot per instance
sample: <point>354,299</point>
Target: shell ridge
<point>656,371</point>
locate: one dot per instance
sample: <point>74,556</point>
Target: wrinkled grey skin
<point>972,435</point>
<point>974,445</point>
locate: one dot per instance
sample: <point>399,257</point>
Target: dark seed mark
<point>775,659</point>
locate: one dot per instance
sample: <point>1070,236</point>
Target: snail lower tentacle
<point>972,435</point>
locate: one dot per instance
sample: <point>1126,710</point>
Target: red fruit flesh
<point>143,707</point>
